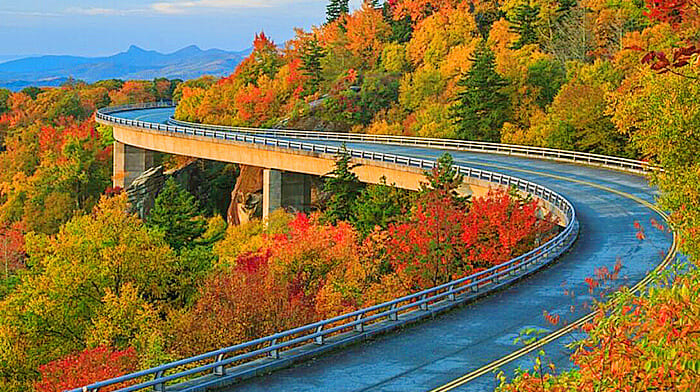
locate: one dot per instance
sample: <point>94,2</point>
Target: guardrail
<point>417,304</point>
<point>618,163</point>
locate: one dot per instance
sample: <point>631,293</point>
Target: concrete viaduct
<point>597,198</point>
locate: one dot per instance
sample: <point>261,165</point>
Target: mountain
<point>136,63</point>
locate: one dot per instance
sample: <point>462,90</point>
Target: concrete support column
<point>272,191</point>
<point>129,162</point>
<point>286,189</point>
<point>296,191</point>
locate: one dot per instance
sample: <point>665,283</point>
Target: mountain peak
<point>192,49</point>
<point>135,49</point>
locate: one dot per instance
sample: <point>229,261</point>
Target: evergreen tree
<point>524,22</point>
<point>380,205</point>
<point>311,55</point>
<point>480,109</point>
<point>443,181</point>
<point>335,9</point>
<point>343,188</point>
<point>176,213</point>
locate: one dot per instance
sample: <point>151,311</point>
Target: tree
<point>311,54</point>
<point>4,98</point>
<point>343,187</point>
<point>86,367</point>
<point>480,109</point>
<point>335,9</point>
<point>443,180</point>
<point>32,92</point>
<point>176,213</point>
<point>378,206</point>
<point>524,23</point>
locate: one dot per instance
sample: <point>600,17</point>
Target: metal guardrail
<point>450,293</point>
<point>617,163</point>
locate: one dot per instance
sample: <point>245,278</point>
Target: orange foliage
<point>367,32</point>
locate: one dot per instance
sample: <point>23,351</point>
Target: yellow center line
<point>581,321</point>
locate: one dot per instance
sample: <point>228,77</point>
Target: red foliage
<point>12,246</point>
<point>85,367</point>
<point>443,241</point>
<point>669,11</point>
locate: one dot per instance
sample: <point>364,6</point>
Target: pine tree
<point>335,9</point>
<point>311,54</point>
<point>176,213</point>
<point>480,109</point>
<point>343,188</point>
<point>380,205</point>
<point>524,22</point>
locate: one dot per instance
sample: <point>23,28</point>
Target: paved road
<point>433,353</point>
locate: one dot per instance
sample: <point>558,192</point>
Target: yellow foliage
<point>436,35</point>
<point>394,58</point>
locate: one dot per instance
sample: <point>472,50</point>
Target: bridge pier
<point>129,162</point>
<point>285,189</point>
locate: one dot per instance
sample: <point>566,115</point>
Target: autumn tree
<point>480,109</point>
<point>52,311</point>
<point>86,367</point>
<point>4,97</point>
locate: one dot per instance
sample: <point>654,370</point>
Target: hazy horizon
<point>99,28</point>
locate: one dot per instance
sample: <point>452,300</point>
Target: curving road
<point>431,354</point>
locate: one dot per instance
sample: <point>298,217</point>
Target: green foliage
<point>444,180</point>
<point>378,206</point>
<point>4,97</point>
<point>524,22</point>
<point>32,92</point>
<point>94,267</point>
<point>548,75</point>
<point>481,108</point>
<point>335,9</point>
<point>401,29</point>
<point>176,214</point>
<point>378,91</point>
<point>110,84</point>
<point>311,54</point>
<point>662,114</point>
<point>343,188</point>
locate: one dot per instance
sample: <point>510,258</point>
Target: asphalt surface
<point>430,354</point>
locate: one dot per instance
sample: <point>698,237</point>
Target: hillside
<point>135,63</point>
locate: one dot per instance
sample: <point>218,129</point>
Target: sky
<point>101,27</point>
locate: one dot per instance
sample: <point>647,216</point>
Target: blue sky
<point>100,27</point>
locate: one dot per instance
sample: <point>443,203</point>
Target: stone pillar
<point>272,191</point>
<point>129,163</point>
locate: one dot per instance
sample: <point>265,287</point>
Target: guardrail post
<point>451,290</point>
<point>319,339</point>
<point>276,352</point>
<point>361,326</point>
<point>219,370</point>
<point>160,387</point>
<point>423,305</point>
<point>394,316</point>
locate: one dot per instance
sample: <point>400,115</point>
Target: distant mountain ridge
<point>136,63</point>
